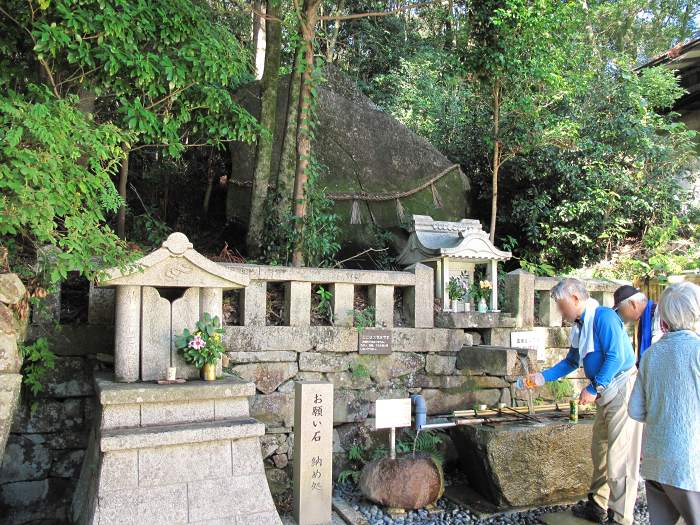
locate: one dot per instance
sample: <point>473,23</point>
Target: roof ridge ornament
<point>177,243</point>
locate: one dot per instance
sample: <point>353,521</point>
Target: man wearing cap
<point>633,306</point>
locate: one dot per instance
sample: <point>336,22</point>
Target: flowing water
<point>526,369</point>
<point>415,442</point>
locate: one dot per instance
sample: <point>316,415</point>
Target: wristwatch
<point>599,388</point>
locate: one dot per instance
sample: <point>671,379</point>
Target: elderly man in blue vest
<point>600,345</point>
<point>633,306</point>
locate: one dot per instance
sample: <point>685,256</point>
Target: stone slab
<point>191,462</point>
<point>110,392</point>
<point>323,275</point>
<point>241,339</point>
<point>502,461</point>
<point>261,357</point>
<point>494,360</point>
<point>155,335</point>
<point>185,314</point>
<point>146,437</point>
<point>471,320</point>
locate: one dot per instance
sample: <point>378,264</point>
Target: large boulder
<point>402,483</point>
<point>524,465</point>
<point>363,149</point>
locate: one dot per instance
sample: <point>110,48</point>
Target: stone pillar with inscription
<point>313,447</point>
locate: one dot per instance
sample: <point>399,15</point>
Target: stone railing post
<point>297,303</point>
<point>343,303</point>
<point>604,298</point>
<point>419,300</point>
<point>381,298</point>
<point>548,311</point>
<point>254,303</point>
<point>520,297</point>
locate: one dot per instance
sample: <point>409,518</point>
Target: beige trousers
<point>617,440</point>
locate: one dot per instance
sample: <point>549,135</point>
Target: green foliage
<point>164,70</point>
<point>358,369</point>
<point>664,250</point>
<point>458,286</point>
<point>149,229</point>
<point>427,441</point>
<point>561,389</point>
<point>480,289</point>
<point>325,307</point>
<point>37,361</point>
<point>56,166</point>
<point>319,231</point>
<point>205,344</point>
<point>624,178</point>
<point>364,318</point>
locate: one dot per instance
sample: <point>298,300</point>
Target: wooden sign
<point>375,341</point>
<point>313,453</point>
<point>393,413</point>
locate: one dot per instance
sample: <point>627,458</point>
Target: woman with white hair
<point>666,396</point>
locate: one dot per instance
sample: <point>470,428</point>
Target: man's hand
<point>586,398</point>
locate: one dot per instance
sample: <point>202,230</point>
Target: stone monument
<point>175,453</point>
<point>164,293</point>
<point>313,453</point>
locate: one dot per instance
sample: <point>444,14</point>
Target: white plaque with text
<point>393,413</point>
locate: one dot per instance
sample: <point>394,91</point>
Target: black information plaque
<point>374,341</point>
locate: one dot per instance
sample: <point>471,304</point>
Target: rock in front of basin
<point>527,464</point>
<point>402,483</point>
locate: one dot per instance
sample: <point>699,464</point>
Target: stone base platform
<point>174,454</point>
<point>517,465</point>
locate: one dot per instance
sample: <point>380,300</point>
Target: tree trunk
<point>268,118</point>
<point>304,126</point>
<point>333,40</point>
<point>496,158</point>
<point>259,40</point>
<point>123,179</point>
<point>210,185</point>
<point>288,160</point>
<point>449,33</point>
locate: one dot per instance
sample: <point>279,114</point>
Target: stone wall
<point>49,435</point>
<point>47,445</point>
<point>12,331</point>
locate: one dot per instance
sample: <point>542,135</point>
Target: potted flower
<point>203,347</point>
<point>481,292</point>
<point>458,291</point>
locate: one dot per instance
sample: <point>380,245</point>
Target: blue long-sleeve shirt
<point>612,353</point>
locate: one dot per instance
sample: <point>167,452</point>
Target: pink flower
<point>197,343</point>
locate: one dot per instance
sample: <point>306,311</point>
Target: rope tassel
<point>400,213</point>
<point>355,216</point>
<point>437,201</point>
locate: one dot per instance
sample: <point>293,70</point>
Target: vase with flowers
<point>204,346</point>
<point>458,292</point>
<point>481,293</point>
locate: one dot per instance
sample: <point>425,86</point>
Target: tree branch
<point>41,61</point>
<point>380,13</point>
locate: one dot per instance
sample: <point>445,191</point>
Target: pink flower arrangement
<point>197,342</point>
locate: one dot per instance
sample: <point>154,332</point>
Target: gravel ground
<point>448,513</point>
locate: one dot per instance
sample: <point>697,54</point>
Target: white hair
<point>569,287</point>
<point>639,297</point>
<point>680,307</point>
